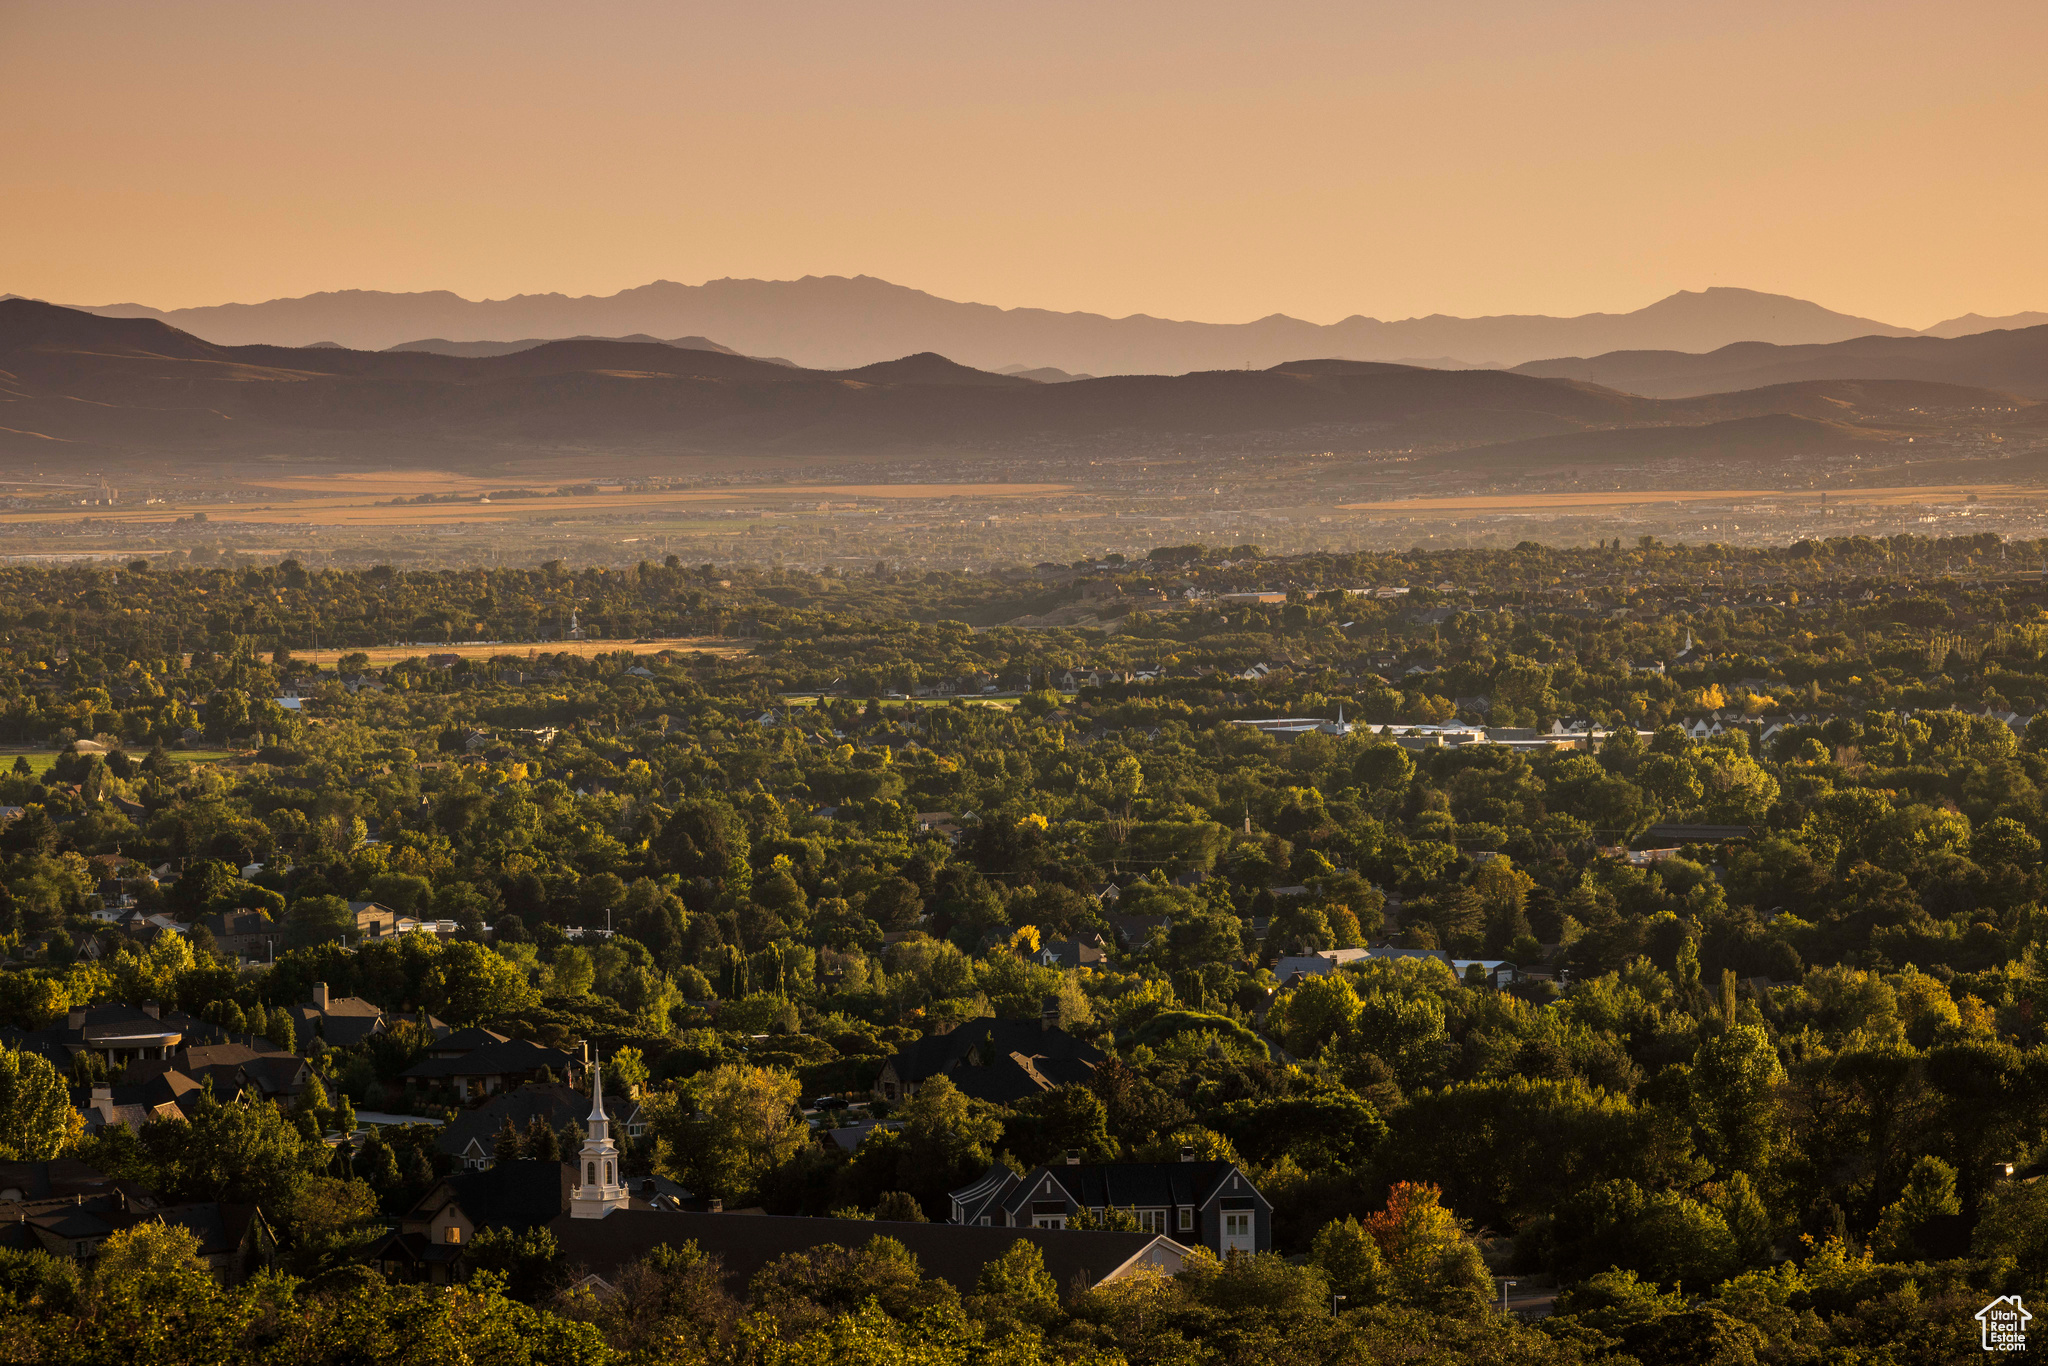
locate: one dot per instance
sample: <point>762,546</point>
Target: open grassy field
<point>338,500</point>
<point>1000,703</point>
<point>381,655</point>
<point>1610,498</point>
<point>40,760</point>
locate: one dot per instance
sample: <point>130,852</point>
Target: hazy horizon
<point>1323,321</point>
<point>1200,163</point>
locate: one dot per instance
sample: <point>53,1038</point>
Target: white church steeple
<point>599,1189</point>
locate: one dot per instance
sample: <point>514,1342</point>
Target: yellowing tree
<point>747,1124</point>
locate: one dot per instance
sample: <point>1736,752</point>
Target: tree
<point>35,1108</point>
<point>245,1152</point>
<point>1316,1011</point>
<point>472,984</point>
<point>946,1139</point>
<point>1734,1098</point>
<point>1930,1190</point>
<point>1431,1262</point>
<point>746,1126</point>
<point>899,1207</point>
<point>328,1221</point>
<point>894,904</point>
<point>317,920</point>
<point>1350,1256</point>
<point>1019,1278</point>
<point>540,1143</point>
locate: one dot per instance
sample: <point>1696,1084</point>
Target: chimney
<point>102,1095</point>
<point>1187,1154</point>
<point>586,1052</point>
<point>1073,1157</point>
<point>75,1020</point>
<point>715,1207</point>
<point>150,1009</point>
<point>1049,1013</point>
<point>320,997</point>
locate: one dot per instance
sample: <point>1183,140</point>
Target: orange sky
<point>1213,161</point>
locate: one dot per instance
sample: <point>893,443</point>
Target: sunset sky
<point>1190,160</point>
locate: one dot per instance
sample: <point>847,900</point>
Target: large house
<point>345,1021</point>
<point>119,1034</point>
<point>245,934</point>
<point>255,1066</point>
<point>493,1067</point>
<point>598,1249</point>
<point>1211,1203</point>
<point>471,1137</point>
<point>1003,1061</point>
<point>67,1209</point>
<point>434,1234</point>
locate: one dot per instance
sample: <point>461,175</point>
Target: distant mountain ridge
<point>840,322</point>
<point>84,387</point>
<point>2013,361</point>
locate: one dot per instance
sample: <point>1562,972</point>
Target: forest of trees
<point>1780,1098</point>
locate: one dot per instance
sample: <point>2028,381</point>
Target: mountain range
<point>837,322</point>
<point>82,388</point>
<point>2013,360</point>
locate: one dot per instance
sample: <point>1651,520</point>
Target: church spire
<point>599,1188</point>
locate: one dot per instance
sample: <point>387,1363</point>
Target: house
<point>255,1067</point>
<point>245,934</point>
<point>64,1208</point>
<point>1077,1261</point>
<point>941,823</point>
<point>1699,834</point>
<point>432,1236</point>
<point>429,1242</point>
<point>1493,972</point>
<point>847,1138</point>
<point>494,1068</point>
<point>1212,1204</point>
<point>995,1060</point>
<point>118,1033</point>
<point>372,920</point>
<point>1293,967</point>
<point>343,1021</point>
<point>472,1135</point>
<point>1082,951</point>
<point>1134,932</point>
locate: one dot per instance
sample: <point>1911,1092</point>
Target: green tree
<point>35,1109</point>
<point>746,1125</point>
<point>1735,1104</point>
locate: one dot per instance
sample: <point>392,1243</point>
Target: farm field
<point>381,655</point>
<point>1609,498</point>
<point>337,501</point>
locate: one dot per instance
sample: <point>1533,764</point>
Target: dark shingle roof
<point>746,1243</point>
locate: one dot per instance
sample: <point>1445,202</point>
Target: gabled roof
<point>467,1040</point>
<point>1100,1185</point>
<point>494,1060</point>
<point>746,1243</point>
<point>557,1105</point>
<point>516,1195</point>
<point>989,1039</point>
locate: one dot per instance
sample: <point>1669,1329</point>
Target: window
<point>1187,1219</point>
<point>1050,1221</point>
<point>1152,1220</point>
<point>590,1173</point>
<point>1237,1225</point>
<point>607,1173</point>
<point>454,1233</point>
